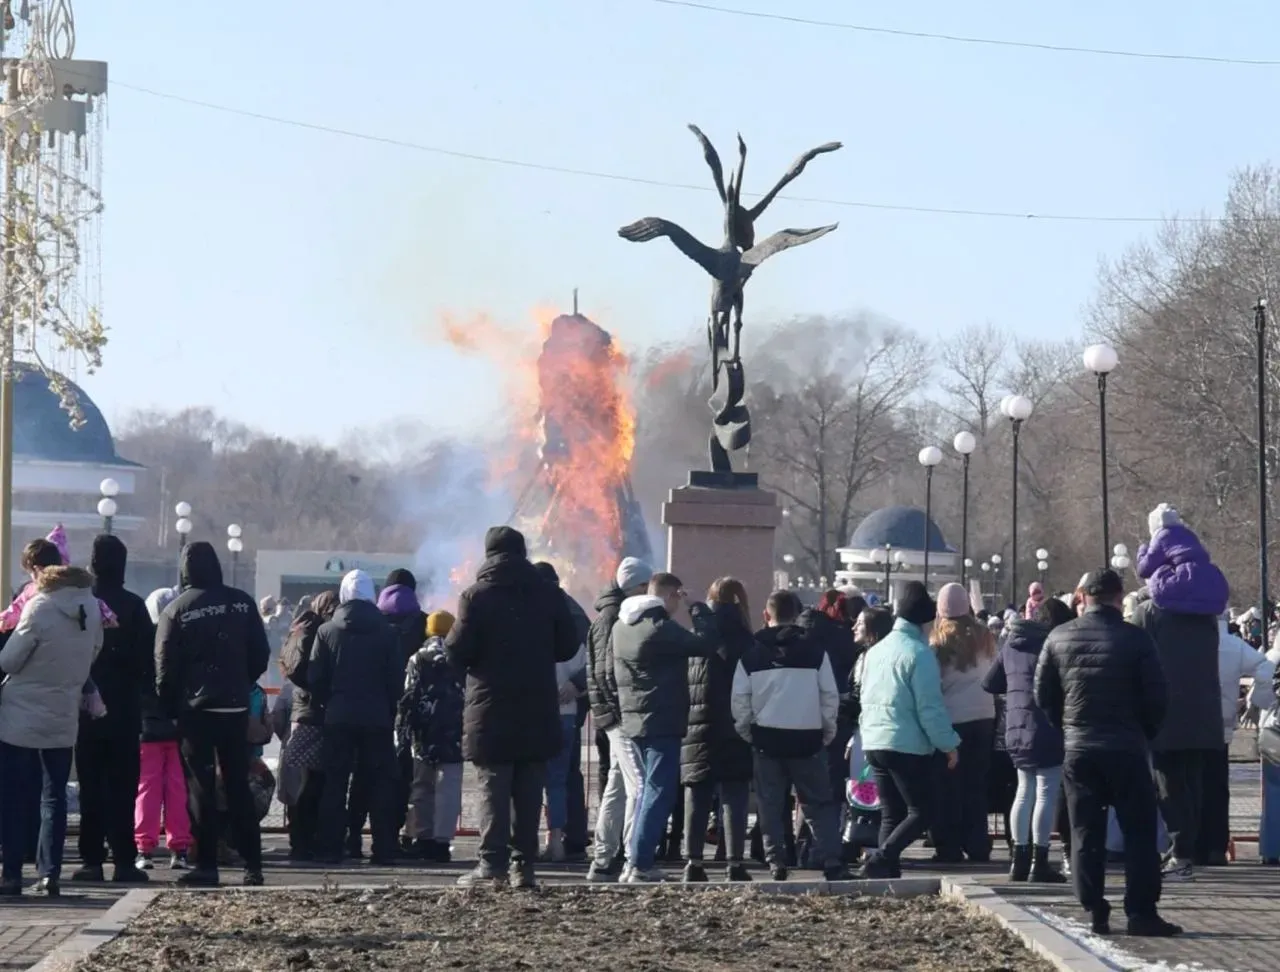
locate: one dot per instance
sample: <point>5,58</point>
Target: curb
<point>97,933</point>
<point>1050,944</point>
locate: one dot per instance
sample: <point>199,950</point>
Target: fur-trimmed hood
<point>60,578</point>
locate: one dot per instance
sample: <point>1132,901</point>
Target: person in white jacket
<point>1264,697</point>
<point>1236,660</point>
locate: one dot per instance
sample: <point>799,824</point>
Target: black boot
<point>1021,866</point>
<point>1042,872</point>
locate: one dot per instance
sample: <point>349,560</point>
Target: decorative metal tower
<point>50,281</point>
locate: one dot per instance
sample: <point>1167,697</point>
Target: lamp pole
<point>107,506</point>
<point>1042,563</point>
<point>982,585</point>
<point>183,528</point>
<point>1017,409</point>
<point>235,545</point>
<point>929,457</point>
<point>1101,359</point>
<point>996,589</point>
<point>1260,325</point>
<point>964,444</point>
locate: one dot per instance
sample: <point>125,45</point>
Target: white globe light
<point>968,561</point>
<point>106,507</point>
<point>235,545</point>
<point>109,487</point>
<point>1042,554</point>
<point>183,509</point>
<point>930,456</point>
<point>878,556</point>
<point>985,566</point>
<point>1020,408</point>
<point>1004,405</point>
<point>900,557</point>
<point>183,526</point>
<point>1119,562</point>
<point>788,559</point>
<point>233,530</point>
<point>996,559</point>
<point>1043,565</point>
<point>1120,550</point>
<point>965,443</point>
<point>1101,359</point>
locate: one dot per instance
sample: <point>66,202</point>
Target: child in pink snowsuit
<point>162,788</point>
<point>11,615</point>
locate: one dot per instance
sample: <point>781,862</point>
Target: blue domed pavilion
<point>896,536</point>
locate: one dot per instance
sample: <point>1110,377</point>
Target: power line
<point>660,183</point>
<point>965,39</point>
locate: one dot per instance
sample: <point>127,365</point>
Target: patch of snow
<point>1106,948</point>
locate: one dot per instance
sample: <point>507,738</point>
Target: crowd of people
<point>1057,713</point>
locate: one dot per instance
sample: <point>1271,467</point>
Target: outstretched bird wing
<point>782,240</point>
<point>791,175</point>
<point>652,227</point>
<point>713,160</point>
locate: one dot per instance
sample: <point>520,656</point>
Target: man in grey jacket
<point>651,655</point>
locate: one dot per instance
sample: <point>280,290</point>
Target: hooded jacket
<point>211,645</point>
<point>1236,660</point>
<point>47,660</point>
<point>357,668</point>
<point>712,750</point>
<point>124,667</point>
<point>901,696</point>
<point>429,718</point>
<point>602,684</point>
<point>651,655</point>
<point>785,698</point>
<point>297,651</point>
<point>399,605</point>
<point>1031,740</point>
<point>1179,573</point>
<point>512,628</point>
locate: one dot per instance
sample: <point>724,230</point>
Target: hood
<point>504,540</point>
<point>108,561</point>
<point>509,570</point>
<point>358,615</point>
<point>635,608</point>
<point>1024,635</point>
<point>610,598</point>
<point>158,600</point>
<point>398,599</point>
<point>199,567</point>
<point>70,590</point>
<point>356,586</point>
<point>781,636</point>
<point>58,537</point>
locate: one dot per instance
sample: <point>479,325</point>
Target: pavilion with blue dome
<point>896,535</point>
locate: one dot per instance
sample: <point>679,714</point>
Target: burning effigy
<point>567,463</point>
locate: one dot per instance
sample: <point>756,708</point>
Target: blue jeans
<point>558,774</point>
<point>31,778</point>
<point>1269,825</point>
<point>1031,817</point>
<point>659,786</point>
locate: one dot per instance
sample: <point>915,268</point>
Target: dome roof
<point>42,428</point>
<point>902,527</point>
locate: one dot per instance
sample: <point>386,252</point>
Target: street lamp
<point>1120,557</point>
<point>964,444</point>
<point>890,560</point>
<point>982,587</point>
<point>107,506</point>
<point>1017,409</point>
<point>235,545</point>
<point>1042,563</point>
<point>929,457</point>
<point>996,561</point>
<point>184,525</point>
<point>1102,359</point>
<point>1260,325</point>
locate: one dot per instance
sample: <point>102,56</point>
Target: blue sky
<point>293,279</point>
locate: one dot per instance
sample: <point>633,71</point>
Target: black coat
<point>1188,648</point>
<point>712,750</point>
<point>836,639</point>
<point>602,684</point>
<point>1031,740</point>
<point>211,645</point>
<point>356,672</point>
<point>410,630</point>
<point>125,666</point>
<point>512,628</point>
<point>1099,679</point>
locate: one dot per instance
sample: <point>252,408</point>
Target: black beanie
<point>915,604</point>
<point>400,577</point>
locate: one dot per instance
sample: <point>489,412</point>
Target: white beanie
<point>1162,516</point>
<point>356,586</point>
<point>633,572</point>
<point>158,600</point>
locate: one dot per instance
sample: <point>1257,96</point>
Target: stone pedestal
<point>715,533</point>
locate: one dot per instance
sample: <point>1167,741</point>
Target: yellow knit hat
<point>439,624</point>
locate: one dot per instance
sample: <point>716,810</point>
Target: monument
<point>722,521</point>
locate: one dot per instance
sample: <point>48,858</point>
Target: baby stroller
<point>861,830</point>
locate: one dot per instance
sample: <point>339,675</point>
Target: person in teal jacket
<point>904,721</point>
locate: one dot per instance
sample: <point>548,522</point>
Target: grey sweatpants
<point>436,800</point>
<point>811,777</point>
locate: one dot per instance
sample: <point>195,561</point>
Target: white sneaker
<point>1178,870</point>
<point>178,861</point>
<point>143,863</point>
<point>653,875</point>
<point>601,874</point>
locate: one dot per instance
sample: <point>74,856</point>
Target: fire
<point>567,455</point>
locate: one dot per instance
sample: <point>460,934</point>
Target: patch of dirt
<point>559,929</point>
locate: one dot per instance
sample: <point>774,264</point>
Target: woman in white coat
<point>45,664</point>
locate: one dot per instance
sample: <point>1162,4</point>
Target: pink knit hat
<point>58,537</point>
<point>953,602</point>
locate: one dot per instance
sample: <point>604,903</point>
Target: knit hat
<point>439,624</point>
<point>1162,516</point>
<point>953,602</point>
<point>356,586</point>
<point>915,604</point>
<point>158,600</point>
<point>58,537</point>
<point>632,573</point>
<point>402,577</point>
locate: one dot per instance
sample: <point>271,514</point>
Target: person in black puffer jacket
<point>356,673</point>
<point>619,758</point>
<point>301,754</point>
<point>714,759</point>
<point>1100,681</point>
<point>511,630</point>
<point>211,647</point>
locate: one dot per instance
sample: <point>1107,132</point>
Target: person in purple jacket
<point>1186,593</point>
